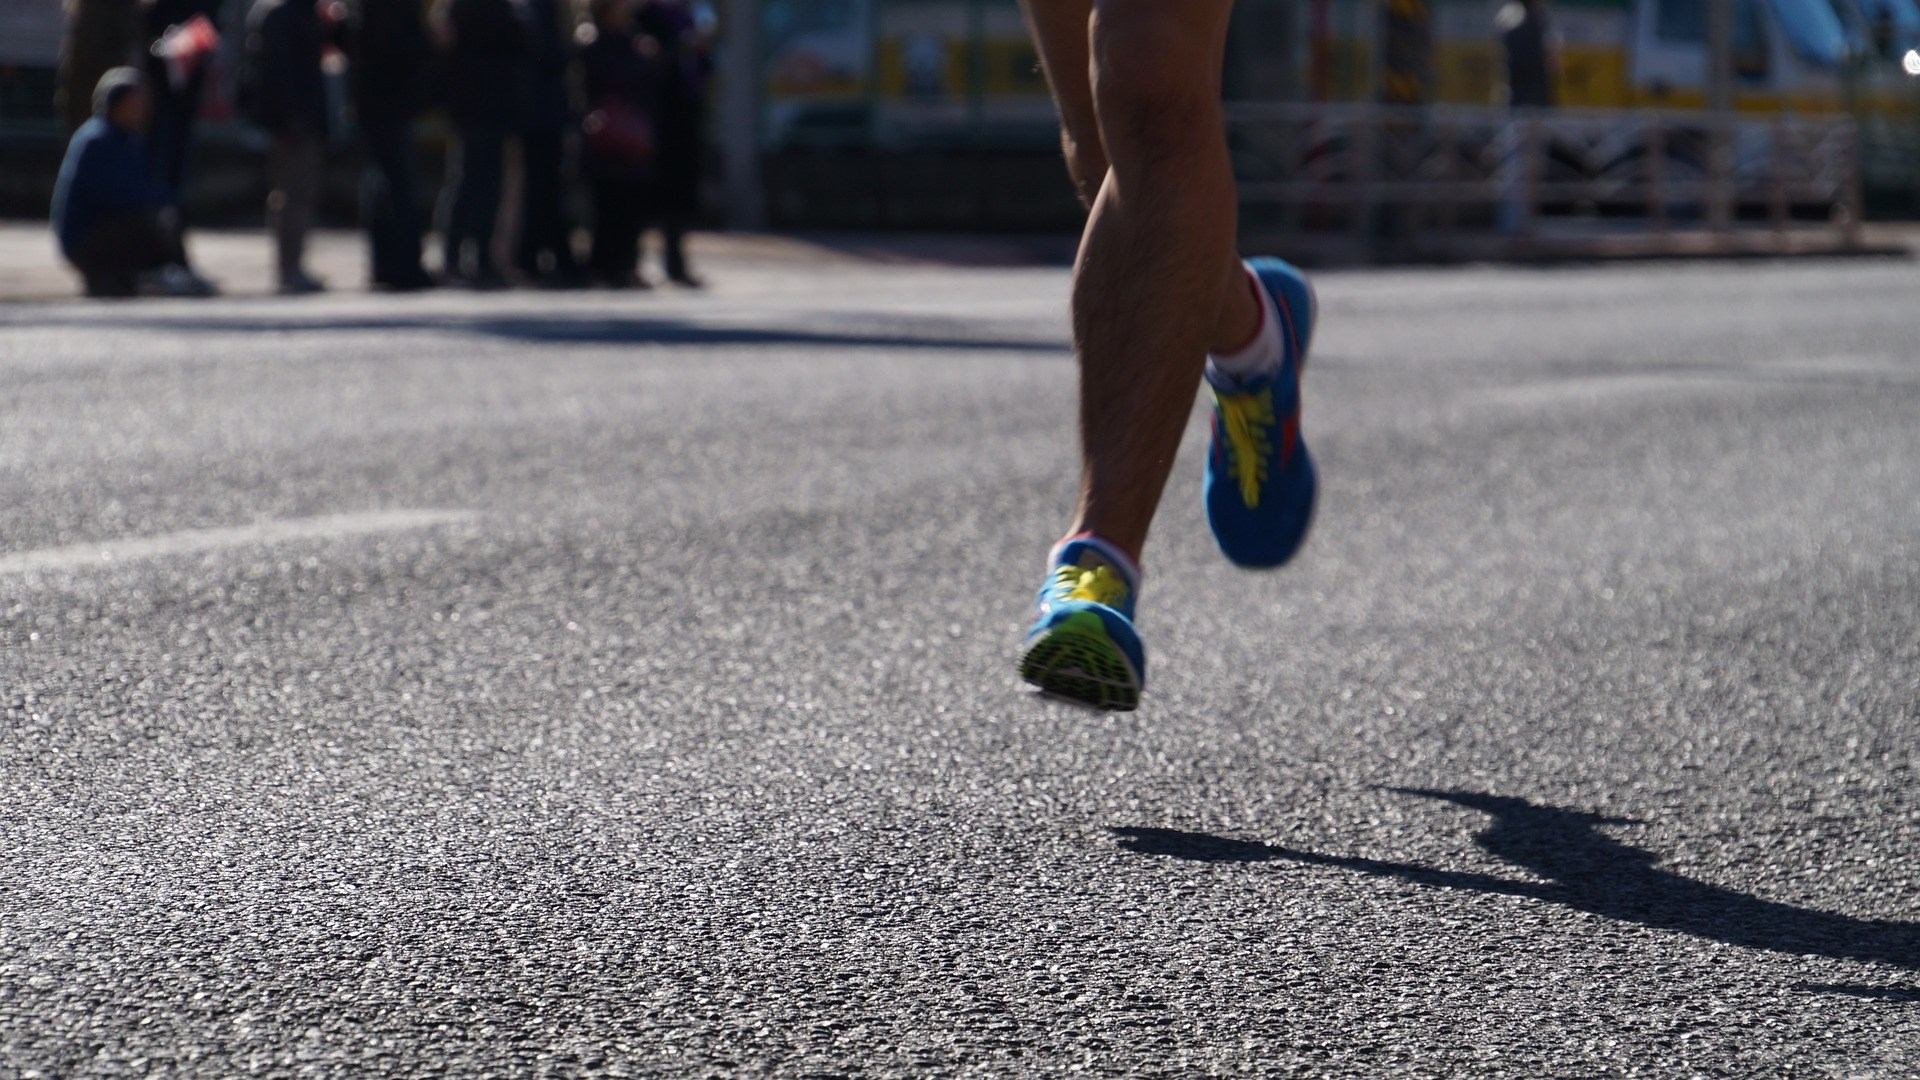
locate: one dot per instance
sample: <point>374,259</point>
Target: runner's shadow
<point>1589,871</point>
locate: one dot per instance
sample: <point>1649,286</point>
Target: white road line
<point>113,552</point>
<point>1595,388</point>
<point>1843,370</point>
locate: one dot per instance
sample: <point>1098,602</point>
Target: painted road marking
<point>114,552</point>
<point>1839,371</point>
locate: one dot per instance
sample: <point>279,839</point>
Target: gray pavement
<point>579,684</point>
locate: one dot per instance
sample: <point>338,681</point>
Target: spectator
<point>100,35</point>
<point>289,100</point>
<point>111,215</point>
<point>387,49</point>
<point>619,142</point>
<point>487,78</point>
<point>176,85</point>
<point>545,249</point>
<point>686,62</point>
<point>1533,53</point>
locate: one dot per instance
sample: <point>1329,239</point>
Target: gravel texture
<point>658,717</point>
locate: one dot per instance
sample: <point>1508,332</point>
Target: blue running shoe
<point>1082,645</point>
<point>1260,481</point>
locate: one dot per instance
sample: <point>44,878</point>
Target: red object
<point>185,46</point>
<point>616,131</point>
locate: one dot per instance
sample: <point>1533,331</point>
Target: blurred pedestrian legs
<point>387,50</point>
<point>390,208</point>
<point>295,161</point>
<point>619,216</point>
<point>685,35</point>
<point>470,203</point>
<point>286,95</point>
<point>544,251</point>
<point>487,78</point>
<point>618,140</point>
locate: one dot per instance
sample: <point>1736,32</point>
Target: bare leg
<point>1150,296</point>
<point>1063,30</point>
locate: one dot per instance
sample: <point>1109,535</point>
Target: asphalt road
<point>542,684</point>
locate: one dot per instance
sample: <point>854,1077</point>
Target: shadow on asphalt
<point>1592,872</point>
<point>587,331</point>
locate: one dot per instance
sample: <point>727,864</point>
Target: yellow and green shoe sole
<point>1076,660</point>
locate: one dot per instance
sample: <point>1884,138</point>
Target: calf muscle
<point>1148,284</point>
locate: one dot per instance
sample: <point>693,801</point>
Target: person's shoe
<point>177,280</point>
<point>1082,645</point>
<point>1261,487</point>
<point>196,283</point>
<point>300,283</point>
<point>488,280</point>
<point>560,281</point>
<point>113,286</point>
<point>404,280</point>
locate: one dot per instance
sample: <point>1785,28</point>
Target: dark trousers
<point>470,202</point>
<point>117,250</point>
<point>171,135</point>
<point>673,242</point>
<point>544,229</point>
<point>389,202</point>
<point>619,213</point>
<point>677,190</point>
<point>295,161</point>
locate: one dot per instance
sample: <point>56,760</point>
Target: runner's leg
<point>1137,86</point>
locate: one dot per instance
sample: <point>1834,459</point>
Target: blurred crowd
<point>601,107</point>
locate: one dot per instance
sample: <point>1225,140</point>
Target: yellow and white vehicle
<point>890,72</point>
<point>1789,56</point>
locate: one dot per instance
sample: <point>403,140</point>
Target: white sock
<point>1259,356</point>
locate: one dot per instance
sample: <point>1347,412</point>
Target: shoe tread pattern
<point>1078,661</point>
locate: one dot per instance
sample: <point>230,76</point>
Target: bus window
<point>1682,21</point>
<point>1813,30</point>
<point>1750,56</point>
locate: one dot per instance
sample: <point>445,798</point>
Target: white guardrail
<point>1461,179</point>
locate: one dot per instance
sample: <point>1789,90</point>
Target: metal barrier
<point>1363,182</point>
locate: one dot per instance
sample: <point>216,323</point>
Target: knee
<point>1156,82</point>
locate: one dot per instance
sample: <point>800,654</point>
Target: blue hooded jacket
<point>105,173</point>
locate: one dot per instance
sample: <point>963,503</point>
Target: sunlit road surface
<point>568,684</point>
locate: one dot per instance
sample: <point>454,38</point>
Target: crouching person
<point>109,212</point>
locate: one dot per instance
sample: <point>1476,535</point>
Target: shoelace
<point>1246,420</point>
<point>1097,585</point>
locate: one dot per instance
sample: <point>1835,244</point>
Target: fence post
<point>1777,208</point>
<point>1853,204</point>
<point>1297,140</point>
<point>1720,102</point>
<point>1366,170</point>
<point>1532,150</point>
<point>1657,172</point>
